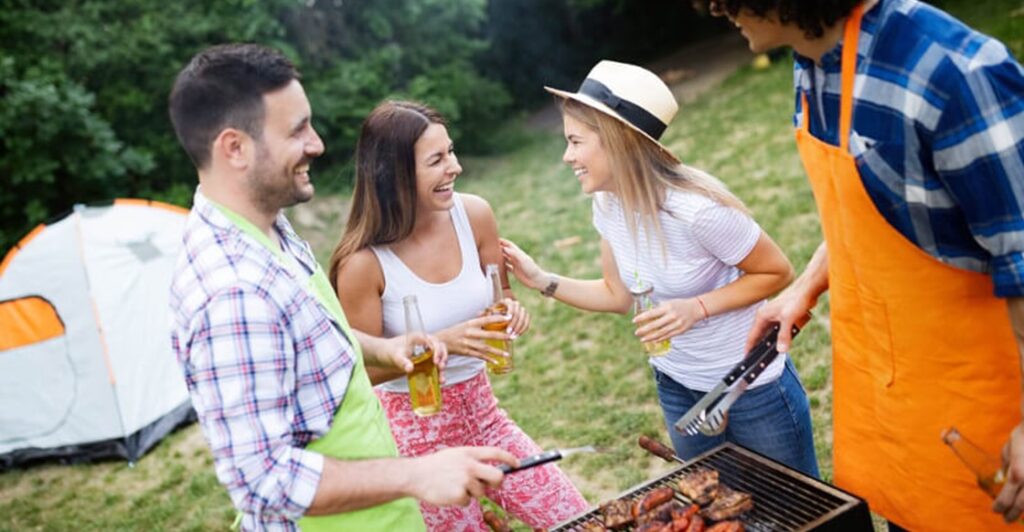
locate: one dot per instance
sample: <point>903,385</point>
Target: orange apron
<point>917,346</point>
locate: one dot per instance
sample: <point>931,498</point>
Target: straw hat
<point>633,95</point>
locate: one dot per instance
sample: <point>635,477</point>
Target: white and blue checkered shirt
<point>265,364</point>
<point>938,134</point>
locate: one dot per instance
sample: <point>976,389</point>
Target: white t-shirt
<point>704,240</point>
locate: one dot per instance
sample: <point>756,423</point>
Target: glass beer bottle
<point>498,307</point>
<point>642,301</point>
<point>424,381</point>
<point>988,469</point>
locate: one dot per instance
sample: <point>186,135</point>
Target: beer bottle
<point>988,469</point>
<point>643,301</point>
<point>498,307</point>
<point>424,381</point>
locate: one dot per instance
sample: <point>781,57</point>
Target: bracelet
<point>703,308</point>
<point>549,290</point>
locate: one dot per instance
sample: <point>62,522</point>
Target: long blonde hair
<point>643,172</point>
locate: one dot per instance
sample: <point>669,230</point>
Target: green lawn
<point>580,378</point>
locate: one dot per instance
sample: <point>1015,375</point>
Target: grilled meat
<point>593,526</point>
<point>654,526</point>
<point>657,448</point>
<point>728,504</point>
<point>684,512</point>
<point>726,526</point>
<point>701,486</point>
<point>662,514</point>
<point>496,523</point>
<point>652,500</point>
<point>696,524</point>
<point>617,513</point>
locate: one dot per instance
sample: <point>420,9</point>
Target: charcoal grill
<point>784,499</point>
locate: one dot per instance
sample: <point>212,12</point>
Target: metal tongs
<point>545,457</point>
<point>712,422</point>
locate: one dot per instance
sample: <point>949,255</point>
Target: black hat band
<point>629,111</point>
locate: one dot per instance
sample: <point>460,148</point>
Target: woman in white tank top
<point>410,233</point>
<point>683,233</point>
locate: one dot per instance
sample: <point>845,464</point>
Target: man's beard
<point>273,188</point>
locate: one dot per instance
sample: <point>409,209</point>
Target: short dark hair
<point>221,87</point>
<point>811,16</point>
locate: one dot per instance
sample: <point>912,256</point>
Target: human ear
<point>234,147</point>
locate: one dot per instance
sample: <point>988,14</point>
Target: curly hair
<point>811,16</point>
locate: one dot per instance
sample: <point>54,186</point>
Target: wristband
<point>702,307</point>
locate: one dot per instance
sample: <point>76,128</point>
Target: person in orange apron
<point>274,371</point>
<point>910,126</point>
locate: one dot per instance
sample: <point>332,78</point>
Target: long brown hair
<point>643,171</point>
<point>384,200</point>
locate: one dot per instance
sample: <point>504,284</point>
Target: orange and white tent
<point>86,367</point>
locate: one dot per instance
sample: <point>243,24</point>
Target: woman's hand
<point>670,318</point>
<point>470,337</point>
<point>523,266</point>
<point>520,318</point>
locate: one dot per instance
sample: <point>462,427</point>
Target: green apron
<point>360,429</point>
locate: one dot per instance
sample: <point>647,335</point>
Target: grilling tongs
<point>709,415</point>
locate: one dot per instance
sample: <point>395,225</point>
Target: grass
<point>580,378</point>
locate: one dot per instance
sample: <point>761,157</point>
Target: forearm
<point>745,291</point>
<point>346,486</point>
<point>596,295</point>
<point>374,349</point>
<point>814,280</point>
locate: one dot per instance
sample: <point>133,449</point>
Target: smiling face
<point>279,176</point>
<point>587,157</point>
<point>436,169</point>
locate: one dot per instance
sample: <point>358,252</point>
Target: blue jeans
<point>773,419</point>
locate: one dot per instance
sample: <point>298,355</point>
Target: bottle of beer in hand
<point>424,381</point>
<point>498,307</point>
<point>643,301</point>
<point>987,468</point>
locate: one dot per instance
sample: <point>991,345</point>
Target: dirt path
<point>689,72</point>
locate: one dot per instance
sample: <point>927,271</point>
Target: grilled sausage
<point>496,523</point>
<point>657,448</point>
<point>726,526</point>
<point>652,500</point>
<point>696,524</point>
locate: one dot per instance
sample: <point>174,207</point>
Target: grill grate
<point>783,498</point>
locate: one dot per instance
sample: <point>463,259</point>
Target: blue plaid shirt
<point>938,133</point>
<point>265,364</point>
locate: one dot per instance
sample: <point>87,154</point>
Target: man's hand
<point>794,304</point>
<point>1010,501</point>
<point>457,475</point>
<point>397,352</point>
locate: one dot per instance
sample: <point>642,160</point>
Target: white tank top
<point>441,304</point>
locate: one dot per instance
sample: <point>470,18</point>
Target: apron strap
<point>850,39</point>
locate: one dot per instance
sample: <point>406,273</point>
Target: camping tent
<point>86,367</point>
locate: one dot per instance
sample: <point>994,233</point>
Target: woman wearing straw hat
<point>678,229</point>
<point>409,232</point>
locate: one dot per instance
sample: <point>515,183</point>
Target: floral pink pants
<point>540,497</point>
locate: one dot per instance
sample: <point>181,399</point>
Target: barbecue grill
<point>784,499</point>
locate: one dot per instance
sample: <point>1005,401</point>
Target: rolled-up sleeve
<point>244,393</point>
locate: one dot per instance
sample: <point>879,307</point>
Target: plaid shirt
<point>938,134</point>
<point>265,365</point>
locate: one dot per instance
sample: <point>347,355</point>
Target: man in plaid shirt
<point>275,374</point>
<point>910,126</point>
